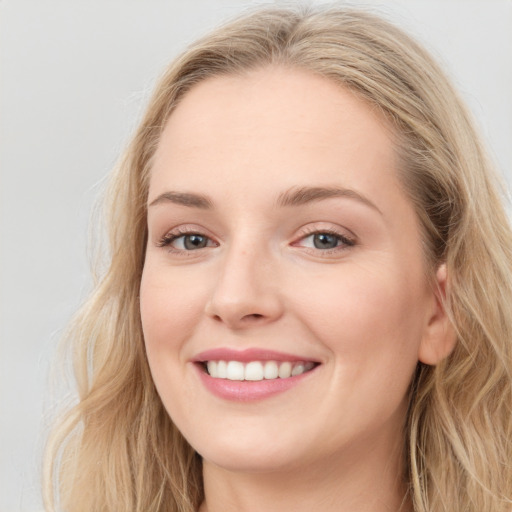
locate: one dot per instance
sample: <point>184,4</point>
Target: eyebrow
<point>294,197</point>
<point>304,195</point>
<point>184,199</point>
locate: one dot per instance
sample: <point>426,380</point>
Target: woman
<point>307,303</point>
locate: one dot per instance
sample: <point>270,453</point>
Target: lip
<point>248,355</point>
<point>248,391</point>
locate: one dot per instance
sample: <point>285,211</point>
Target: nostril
<point>254,316</point>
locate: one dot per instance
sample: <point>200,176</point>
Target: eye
<point>325,241</point>
<point>186,241</point>
<point>190,242</point>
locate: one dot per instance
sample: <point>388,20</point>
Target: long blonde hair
<point>117,449</point>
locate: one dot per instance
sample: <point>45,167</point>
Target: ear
<point>439,338</point>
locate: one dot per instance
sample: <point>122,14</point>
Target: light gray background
<point>75,75</point>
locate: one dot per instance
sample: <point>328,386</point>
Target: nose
<point>246,291</point>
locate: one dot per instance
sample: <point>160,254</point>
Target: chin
<point>252,461</point>
<point>242,455</point>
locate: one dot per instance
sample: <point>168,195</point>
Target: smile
<point>252,374</point>
<point>257,370</point>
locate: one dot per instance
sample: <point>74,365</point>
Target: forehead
<point>287,125</point>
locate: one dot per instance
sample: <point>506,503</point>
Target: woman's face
<point>281,243</point>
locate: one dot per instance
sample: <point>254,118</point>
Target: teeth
<point>256,370</point>
<point>235,370</point>
<point>253,371</point>
<point>222,370</point>
<point>212,368</point>
<point>297,369</point>
<point>271,370</point>
<point>285,370</point>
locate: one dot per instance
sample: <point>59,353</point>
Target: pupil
<point>195,242</point>
<point>325,241</point>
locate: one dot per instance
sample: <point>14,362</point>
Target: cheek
<point>171,305</point>
<point>372,322</point>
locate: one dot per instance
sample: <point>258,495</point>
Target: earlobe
<point>440,337</point>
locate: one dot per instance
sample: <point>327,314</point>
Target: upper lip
<point>247,355</point>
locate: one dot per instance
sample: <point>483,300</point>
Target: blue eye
<point>192,241</point>
<point>324,241</point>
<point>186,241</point>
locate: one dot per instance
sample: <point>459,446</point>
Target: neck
<point>372,483</point>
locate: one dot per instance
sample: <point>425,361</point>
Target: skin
<point>363,309</point>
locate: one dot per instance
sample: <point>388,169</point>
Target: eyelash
<point>344,241</point>
<point>167,240</point>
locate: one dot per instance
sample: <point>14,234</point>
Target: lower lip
<point>248,391</point>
